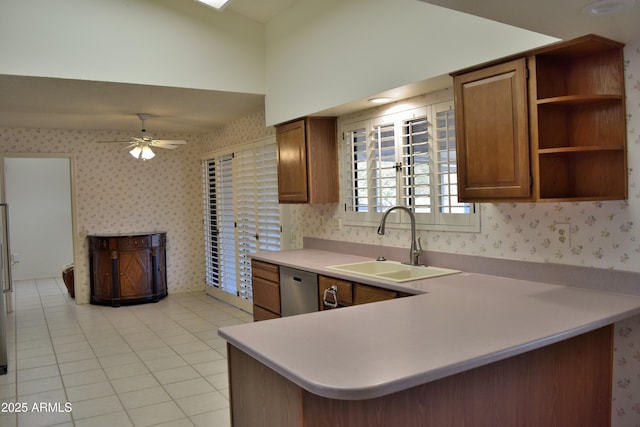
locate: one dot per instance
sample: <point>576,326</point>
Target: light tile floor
<point>157,364</point>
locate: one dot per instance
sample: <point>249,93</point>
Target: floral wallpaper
<point>115,193</point>
<point>626,374</point>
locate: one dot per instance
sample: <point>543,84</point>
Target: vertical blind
<point>242,214</point>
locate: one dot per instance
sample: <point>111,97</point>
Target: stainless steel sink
<point>392,270</point>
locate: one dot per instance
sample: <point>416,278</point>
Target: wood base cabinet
<point>127,269</point>
<point>265,280</point>
<point>565,384</point>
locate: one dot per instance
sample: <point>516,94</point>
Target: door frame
<point>72,187</point>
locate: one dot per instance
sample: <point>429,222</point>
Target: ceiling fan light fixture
<point>147,153</point>
<point>135,151</point>
<point>142,152</point>
<point>216,4</point>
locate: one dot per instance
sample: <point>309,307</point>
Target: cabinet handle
<point>333,290</point>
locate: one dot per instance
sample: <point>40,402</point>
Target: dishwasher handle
<point>333,291</point>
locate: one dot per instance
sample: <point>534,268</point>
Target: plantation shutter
<point>356,161</point>
<point>242,216</point>
<point>450,210</point>
<point>416,170</point>
<point>257,208</point>
<point>220,231</point>
<point>383,165</point>
<point>212,274</point>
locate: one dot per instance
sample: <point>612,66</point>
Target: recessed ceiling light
<point>380,100</point>
<point>216,4</point>
<point>607,7</point>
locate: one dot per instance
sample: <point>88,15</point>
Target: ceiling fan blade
<point>161,142</point>
<point>111,142</point>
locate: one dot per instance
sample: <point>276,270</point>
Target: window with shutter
<point>242,216</point>
<point>405,158</point>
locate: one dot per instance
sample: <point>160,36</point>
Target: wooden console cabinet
<point>127,268</point>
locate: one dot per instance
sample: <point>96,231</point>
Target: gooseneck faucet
<point>416,246</point>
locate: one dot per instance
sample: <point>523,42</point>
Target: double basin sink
<point>392,270</point>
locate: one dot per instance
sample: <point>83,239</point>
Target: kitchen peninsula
<point>469,346</point>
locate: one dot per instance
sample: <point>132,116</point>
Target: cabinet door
<point>136,275</point>
<point>492,133</point>
<point>102,274</point>
<point>266,294</point>
<point>292,163</point>
<point>363,294</point>
<point>344,293</point>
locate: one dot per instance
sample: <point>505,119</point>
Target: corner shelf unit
<point>577,117</point>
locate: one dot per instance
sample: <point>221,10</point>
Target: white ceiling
<point>34,102</point>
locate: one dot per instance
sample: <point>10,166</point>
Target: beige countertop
<point>455,323</point>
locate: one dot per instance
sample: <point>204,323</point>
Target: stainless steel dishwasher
<point>298,291</point>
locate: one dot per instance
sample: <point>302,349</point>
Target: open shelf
<point>584,175</point>
<point>581,135</point>
<point>580,99</point>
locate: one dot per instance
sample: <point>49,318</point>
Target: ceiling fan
<point>140,146</point>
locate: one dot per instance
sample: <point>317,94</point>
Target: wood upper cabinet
<point>308,161</point>
<point>492,132</point>
<point>545,125</point>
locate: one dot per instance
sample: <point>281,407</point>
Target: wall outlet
<point>336,223</point>
<point>562,234</point>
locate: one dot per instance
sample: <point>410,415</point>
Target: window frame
<point>398,113</point>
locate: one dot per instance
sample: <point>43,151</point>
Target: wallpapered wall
<point>603,234</point>
<point>115,193</point>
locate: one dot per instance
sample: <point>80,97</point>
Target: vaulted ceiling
<point>35,101</point>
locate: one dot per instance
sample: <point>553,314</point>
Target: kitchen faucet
<point>416,246</point>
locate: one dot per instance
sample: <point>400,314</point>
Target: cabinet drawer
<point>265,271</point>
<point>363,294</point>
<point>266,294</point>
<point>345,292</point>
<point>260,313</point>
<point>134,242</point>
